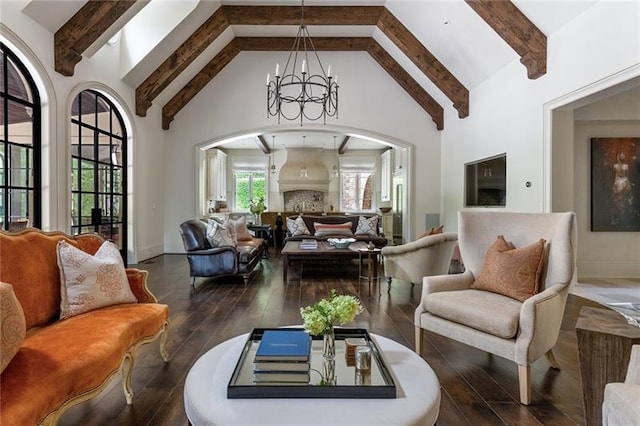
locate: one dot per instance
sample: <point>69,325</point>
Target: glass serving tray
<point>349,383</point>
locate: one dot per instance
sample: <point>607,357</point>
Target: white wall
<point>506,113</point>
<point>603,254</point>
<point>234,102</point>
<point>35,45</point>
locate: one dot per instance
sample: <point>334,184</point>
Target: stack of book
<point>308,244</point>
<point>283,356</point>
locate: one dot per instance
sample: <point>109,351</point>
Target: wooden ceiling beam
<point>180,59</point>
<point>196,84</point>
<point>283,44</point>
<point>517,30</point>
<point>367,44</point>
<point>407,82</point>
<point>84,28</point>
<point>263,145</point>
<point>425,61</point>
<point>313,15</point>
<point>344,145</point>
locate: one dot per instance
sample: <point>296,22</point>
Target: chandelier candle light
<point>304,96</point>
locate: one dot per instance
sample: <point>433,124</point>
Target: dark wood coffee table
<point>292,254</point>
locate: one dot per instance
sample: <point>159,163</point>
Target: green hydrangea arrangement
<point>257,208</point>
<point>336,310</point>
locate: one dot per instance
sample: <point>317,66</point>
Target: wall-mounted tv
<point>486,182</point>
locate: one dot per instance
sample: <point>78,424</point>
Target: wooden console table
<point>604,348</point>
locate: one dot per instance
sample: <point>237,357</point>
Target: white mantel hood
<point>289,176</point>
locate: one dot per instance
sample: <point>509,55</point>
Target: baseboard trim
<point>145,253</point>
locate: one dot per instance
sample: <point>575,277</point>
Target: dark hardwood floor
<point>477,388</point>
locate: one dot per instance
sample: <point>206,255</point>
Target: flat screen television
<point>486,182</point>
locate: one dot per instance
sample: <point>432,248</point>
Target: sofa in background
<point>208,261</point>
<point>378,240</point>
<point>61,363</point>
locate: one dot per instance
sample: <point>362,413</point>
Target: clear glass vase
<point>328,372</point>
<point>329,344</point>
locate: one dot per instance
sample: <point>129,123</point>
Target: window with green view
<point>249,186</point>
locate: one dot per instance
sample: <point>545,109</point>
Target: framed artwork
<point>615,184</point>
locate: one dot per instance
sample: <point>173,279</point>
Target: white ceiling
<point>450,29</point>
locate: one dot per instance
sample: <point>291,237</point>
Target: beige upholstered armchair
<point>621,404</point>
<point>411,262</point>
<point>518,331</point>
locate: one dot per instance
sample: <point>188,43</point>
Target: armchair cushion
<point>485,311</point>
<point>433,231</point>
<point>510,271</point>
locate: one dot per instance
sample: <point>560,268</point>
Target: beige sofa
<point>61,363</point>
<point>621,406</point>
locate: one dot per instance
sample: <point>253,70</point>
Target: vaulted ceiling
<point>437,51</point>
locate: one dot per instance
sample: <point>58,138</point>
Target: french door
<point>98,169</point>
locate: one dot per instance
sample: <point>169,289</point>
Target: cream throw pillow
<point>240,226</point>
<point>220,235</point>
<point>12,325</point>
<point>297,226</point>
<point>367,226</point>
<point>91,282</point>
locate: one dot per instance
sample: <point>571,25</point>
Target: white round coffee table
<point>206,402</point>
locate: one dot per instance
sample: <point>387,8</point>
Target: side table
<point>604,348</point>
<point>368,261</point>
<point>264,232</point>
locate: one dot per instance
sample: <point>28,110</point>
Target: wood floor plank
<point>477,388</point>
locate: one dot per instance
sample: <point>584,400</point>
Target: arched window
<point>98,169</point>
<point>20,133</point>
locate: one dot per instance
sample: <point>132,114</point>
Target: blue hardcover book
<point>284,345</point>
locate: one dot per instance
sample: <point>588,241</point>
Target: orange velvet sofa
<point>61,363</point>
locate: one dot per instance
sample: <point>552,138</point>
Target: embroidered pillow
<point>220,235</point>
<point>90,282</point>
<point>297,226</point>
<point>240,228</point>
<point>367,226</point>
<point>510,271</point>
<point>12,325</point>
<point>324,229</point>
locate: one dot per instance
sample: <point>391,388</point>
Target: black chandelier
<point>306,95</point>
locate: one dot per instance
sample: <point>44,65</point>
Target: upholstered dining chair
<point>411,262</point>
<point>521,330</point>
